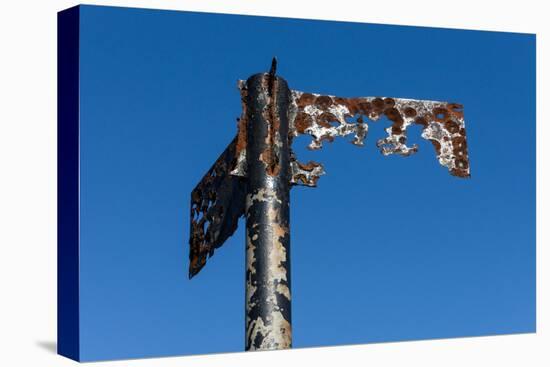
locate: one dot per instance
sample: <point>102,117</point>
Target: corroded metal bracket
<point>253,176</point>
<point>327,117</point>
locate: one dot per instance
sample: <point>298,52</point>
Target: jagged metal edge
<point>217,202</point>
<point>443,125</point>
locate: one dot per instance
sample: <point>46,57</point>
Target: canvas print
<point>210,200</point>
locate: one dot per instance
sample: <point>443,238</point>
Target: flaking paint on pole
<point>268,307</point>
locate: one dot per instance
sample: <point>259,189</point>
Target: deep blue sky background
<point>385,249</point>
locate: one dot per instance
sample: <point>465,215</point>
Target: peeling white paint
<point>277,334</point>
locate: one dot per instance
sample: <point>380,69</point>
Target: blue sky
<point>384,249</point>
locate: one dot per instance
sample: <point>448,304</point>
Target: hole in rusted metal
<point>440,114</point>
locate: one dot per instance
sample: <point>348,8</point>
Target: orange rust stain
<point>365,107</point>
<point>302,122</point>
<point>327,117</point>
<point>241,127</point>
<point>305,100</point>
<point>323,102</point>
<point>271,161</point>
<point>378,104</point>
<point>280,231</point>
<point>241,136</point>
<point>410,112</point>
<point>389,102</point>
<point>268,156</point>
<point>451,126</point>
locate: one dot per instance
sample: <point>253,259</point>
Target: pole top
<point>273,69</point>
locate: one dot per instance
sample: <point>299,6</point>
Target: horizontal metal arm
<point>326,117</point>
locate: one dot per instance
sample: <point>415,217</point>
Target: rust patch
<point>271,161</point>
<point>238,166</point>
<point>378,104</point>
<point>302,122</point>
<point>323,102</point>
<point>305,174</point>
<point>389,102</point>
<point>305,99</point>
<point>269,156</point>
<point>242,122</point>
<point>409,112</point>
<point>421,121</point>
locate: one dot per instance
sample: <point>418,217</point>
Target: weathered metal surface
<point>268,313</point>
<point>305,174</point>
<point>326,117</point>
<point>239,166</point>
<point>254,174</point>
<point>217,202</point>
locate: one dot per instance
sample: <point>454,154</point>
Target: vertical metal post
<point>254,174</point>
<point>268,317</point>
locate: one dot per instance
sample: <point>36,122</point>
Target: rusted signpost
<point>254,174</point>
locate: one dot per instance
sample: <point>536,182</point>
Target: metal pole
<point>254,174</point>
<point>268,318</point>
